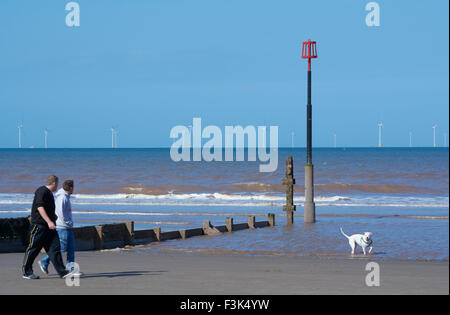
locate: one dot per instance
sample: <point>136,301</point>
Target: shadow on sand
<point>122,274</point>
<point>116,274</point>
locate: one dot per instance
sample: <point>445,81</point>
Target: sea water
<point>399,194</point>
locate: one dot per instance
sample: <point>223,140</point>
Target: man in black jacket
<point>43,231</point>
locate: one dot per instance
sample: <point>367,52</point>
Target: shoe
<point>30,277</point>
<point>44,270</point>
<point>75,271</point>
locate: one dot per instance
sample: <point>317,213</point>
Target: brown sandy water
<point>401,195</point>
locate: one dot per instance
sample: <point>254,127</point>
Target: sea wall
<point>14,233</point>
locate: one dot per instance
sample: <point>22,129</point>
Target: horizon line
<point>197,148</point>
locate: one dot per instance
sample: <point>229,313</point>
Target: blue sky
<point>147,66</point>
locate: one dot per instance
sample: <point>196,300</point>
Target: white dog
<point>363,240</point>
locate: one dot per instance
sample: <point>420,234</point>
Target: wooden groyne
<point>14,233</point>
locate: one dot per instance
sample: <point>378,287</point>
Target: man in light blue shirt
<point>64,225</point>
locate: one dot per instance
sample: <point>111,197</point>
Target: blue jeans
<point>67,241</point>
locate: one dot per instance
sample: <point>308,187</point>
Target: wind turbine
<point>334,139</point>
<point>45,138</point>
<point>434,135</point>
<point>410,139</point>
<point>380,126</point>
<point>20,135</point>
<point>113,131</point>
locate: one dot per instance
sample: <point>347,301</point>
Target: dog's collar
<point>367,243</point>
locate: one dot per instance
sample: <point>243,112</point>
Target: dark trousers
<point>42,237</point>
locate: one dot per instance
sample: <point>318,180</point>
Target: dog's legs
<point>370,249</point>
<point>352,245</point>
<point>364,250</point>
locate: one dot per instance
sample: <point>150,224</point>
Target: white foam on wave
<point>14,211</point>
<point>104,214</point>
<point>202,196</point>
<point>249,204</point>
<point>15,202</point>
<point>241,200</point>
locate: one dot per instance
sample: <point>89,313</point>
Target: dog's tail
<point>344,233</point>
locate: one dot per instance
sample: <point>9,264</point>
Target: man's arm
<point>67,212</point>
<point>44,216</point>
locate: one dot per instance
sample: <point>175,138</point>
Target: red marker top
<point>309,51</point>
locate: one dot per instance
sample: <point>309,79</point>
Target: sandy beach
<point>205,148</point>
<point>184,273</point>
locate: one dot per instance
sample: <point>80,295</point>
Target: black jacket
<point>43,197</point>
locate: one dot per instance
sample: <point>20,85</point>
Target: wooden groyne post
<point>289,181</point>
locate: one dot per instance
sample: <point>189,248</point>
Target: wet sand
<point>165,272</point>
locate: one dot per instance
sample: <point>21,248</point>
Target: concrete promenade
<point>167,272</point>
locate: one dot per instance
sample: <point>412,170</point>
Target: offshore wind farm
<point>114,133</point>
<point>223,124</point>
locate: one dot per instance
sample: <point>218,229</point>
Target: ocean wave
<point>243,204</point>
<point>15,202</point>
<point>15,211</point>
<point>255,187</point>
<point>212,214</point>
<point>381,188</point>
<point>203,196</point>
<point>261,187</point>
<point>240,200</point>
